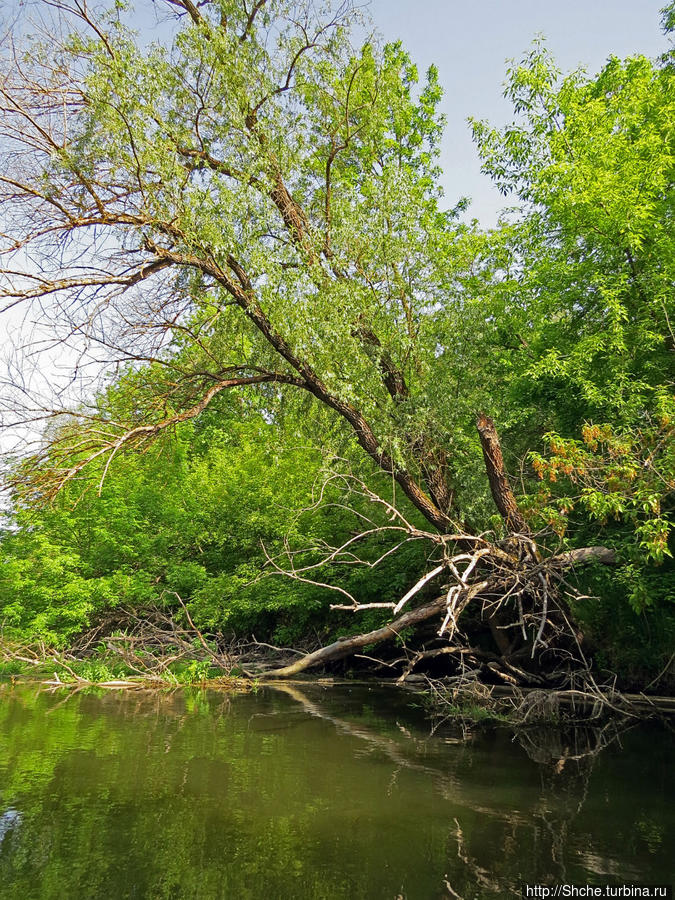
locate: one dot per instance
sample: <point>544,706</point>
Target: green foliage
<point>626,477</point>
<point>583,309</point>
<point>634,638</point>
<point>197,516</point>
<point>668,18</point>
<point>292,185</point>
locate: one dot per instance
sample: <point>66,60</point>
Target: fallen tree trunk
<point>519,589</point>
<point>502,578</point>
<point>347,646</point>
<point>584,555</point>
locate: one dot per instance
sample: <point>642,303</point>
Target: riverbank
<point>443,699</point>
<point>167,655</point>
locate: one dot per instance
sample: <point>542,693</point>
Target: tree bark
<point>583,555</point>
<point>500,487</point>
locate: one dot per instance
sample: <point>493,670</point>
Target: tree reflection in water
<point>565,759</point>
<point>304,791</point>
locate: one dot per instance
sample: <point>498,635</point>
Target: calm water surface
<point>313,792</point>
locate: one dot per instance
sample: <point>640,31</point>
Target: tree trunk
<point>347,646</point>
<point>500,487</point>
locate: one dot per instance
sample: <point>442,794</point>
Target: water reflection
<point>313,792</point>
<point>8,820</point>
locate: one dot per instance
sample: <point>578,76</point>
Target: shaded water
<point>313,793</point>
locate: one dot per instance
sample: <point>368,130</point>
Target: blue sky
<point>471,41</point>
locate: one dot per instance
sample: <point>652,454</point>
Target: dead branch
<point>346,646</point>
<point>494,575</point>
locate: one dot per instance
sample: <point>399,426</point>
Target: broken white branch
<point>418,587</point>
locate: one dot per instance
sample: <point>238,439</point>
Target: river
<point>315,791</point>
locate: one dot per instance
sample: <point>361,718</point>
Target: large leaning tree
<point>251,202</point>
